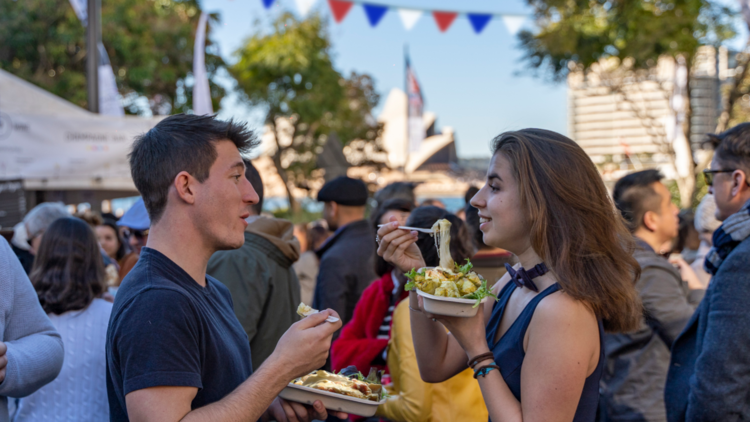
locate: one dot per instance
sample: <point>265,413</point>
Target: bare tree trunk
<point>686,182</point>
<point>294,206</point>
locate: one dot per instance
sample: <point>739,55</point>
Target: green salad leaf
<point>464,268</point>
<point>411,284</point>
<point>482,292</point>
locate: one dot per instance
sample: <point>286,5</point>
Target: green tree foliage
<point>575,34</point>
<point>289,72</point>
<point>149,43</point>
<point>630,36</point>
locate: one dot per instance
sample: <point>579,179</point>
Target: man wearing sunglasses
<point>709,375</point>
<point>134,226</point>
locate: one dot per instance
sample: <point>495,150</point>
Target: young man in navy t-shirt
<point>175,350</point>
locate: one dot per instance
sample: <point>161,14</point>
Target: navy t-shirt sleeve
<point>158,345</point>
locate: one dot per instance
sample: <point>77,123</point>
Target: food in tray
<point>349,382</point>
<point>449,279</point>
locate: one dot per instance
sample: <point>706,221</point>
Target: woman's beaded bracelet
<point>484,370</point>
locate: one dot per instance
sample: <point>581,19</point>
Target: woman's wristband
<point>479,358</point>
<point>484,370</point>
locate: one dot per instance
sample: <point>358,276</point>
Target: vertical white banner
<point>201,92</point>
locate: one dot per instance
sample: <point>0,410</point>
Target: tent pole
<point>93,38</point>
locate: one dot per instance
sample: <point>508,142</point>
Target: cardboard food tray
<point>331,401</point>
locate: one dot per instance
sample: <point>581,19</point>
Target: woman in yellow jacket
<point>413,400</point>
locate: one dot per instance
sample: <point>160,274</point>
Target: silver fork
<point>419,229</point>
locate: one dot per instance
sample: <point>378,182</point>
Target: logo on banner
<point>6,126</point>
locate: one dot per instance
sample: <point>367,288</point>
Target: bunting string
<point>409,16</point>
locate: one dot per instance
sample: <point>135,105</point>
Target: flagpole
<point>93,37</point>
<point>406,91</point>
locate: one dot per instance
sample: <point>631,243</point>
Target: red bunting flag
<point>443,19</point>
<point>340,8</point>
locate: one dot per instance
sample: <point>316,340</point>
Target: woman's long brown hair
<point>575,227</point>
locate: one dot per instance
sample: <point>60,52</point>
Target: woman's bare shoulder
<point>560,309</point>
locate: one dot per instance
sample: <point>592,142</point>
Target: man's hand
<point>305,345</point>
<point>287,411</point>
<point>3,360</point>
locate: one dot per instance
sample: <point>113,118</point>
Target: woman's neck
<point>528,260</point>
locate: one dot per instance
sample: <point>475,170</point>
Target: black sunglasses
<point>709,176</point>
<point>139,234</point>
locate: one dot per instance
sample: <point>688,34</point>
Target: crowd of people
<point>609,306</point>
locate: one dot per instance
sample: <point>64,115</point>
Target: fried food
<point>353,386</point>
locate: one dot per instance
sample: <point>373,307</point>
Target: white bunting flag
<point>513,23</point>
<point>304,6</point>
<point>201,92</point>
<point>409,17</point>
<point>109,97</point>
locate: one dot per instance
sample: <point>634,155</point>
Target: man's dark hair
<point>470,194</point>
<point>403,190</point>
<point>732,148</point>
<point>634,195</point>
<point>183,142</point>
<point>472,222</point>
<point>252,175</point>
<point>68,272</point>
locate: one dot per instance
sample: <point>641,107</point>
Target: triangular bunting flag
<point>409,17</point>
<point>374,13</point>
<point>444,19</point>
<point>267,3</point>
<point>340,8</point>
<point>478,21</point>
<point>304,6</point>
<point>513,23</point>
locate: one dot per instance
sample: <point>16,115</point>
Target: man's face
<point>724,191</point>
<point>329,215</point>
<point>224,200</point>
<point>667,219</point>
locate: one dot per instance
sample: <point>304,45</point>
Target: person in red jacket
<point>364,339</point>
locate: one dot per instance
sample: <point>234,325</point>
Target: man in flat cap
<point>347,258</point>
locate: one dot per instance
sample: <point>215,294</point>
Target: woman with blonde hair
<point>536,352</point>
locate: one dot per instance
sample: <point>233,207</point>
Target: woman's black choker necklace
<point>523,278</point>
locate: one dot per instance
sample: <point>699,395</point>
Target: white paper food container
<point>448,306</point>
<point>331,401</point>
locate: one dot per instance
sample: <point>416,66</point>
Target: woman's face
<point>501,218</point>
<point>107,238</point>
<point>401,217</point>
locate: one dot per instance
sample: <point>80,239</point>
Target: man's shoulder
<point>736,265</point>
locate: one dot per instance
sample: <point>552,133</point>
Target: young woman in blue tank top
<point>536,352</point>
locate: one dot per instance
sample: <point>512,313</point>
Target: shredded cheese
<point>442,233</point>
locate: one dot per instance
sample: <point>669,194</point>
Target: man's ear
<point>184,184</point>
<point>739,182</point>
<point>650,221</point>
<point>334,210</point>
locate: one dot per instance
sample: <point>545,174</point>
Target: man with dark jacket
<point>347,258</point>
<point>259,275</point>
<point>637,362</point>
<point>709,375</point>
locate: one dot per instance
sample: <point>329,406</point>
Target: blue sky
<point>474,83</point>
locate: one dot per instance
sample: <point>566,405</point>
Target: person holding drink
<point>536,352</point>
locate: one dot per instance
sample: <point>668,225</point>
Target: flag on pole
<point>109,96</point>
<point>201,92</point>
<point>415,105</point>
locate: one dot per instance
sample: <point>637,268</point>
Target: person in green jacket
<point>259,275</point>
